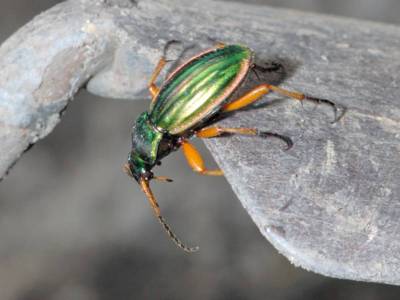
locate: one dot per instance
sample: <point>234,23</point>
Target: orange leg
<point>256,93</point>
<point>263,89</point>
<point>153,88</point>
<point>195,161</point>
<point>211,132</point>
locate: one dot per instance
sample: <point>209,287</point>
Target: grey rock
<point>330,204</point>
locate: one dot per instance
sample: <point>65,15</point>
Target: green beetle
<point>186,105</point>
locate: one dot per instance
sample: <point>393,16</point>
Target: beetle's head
<point>137,167</point>
<point>141,171</point>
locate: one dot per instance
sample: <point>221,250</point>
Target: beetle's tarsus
<point>167,46</point>
<point>211,132</point>
<point>334,106</point>
<point>273,67</point>
<point>286,139</point>
<point>339,116</point>
<point>216,42</point>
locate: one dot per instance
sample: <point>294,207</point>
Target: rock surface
<point>330,204</point>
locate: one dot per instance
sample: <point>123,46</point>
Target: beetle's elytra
<point>186,105</point>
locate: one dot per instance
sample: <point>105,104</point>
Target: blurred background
<point>74,226</point>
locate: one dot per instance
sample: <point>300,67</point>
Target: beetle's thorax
<point>145,140</point>
<point>149,145</point>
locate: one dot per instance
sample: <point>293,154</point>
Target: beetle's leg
<point>153,88</point>
<point>272,67</point>
<point>217,43</point>
<point>301,97</point>
<point>162,178</point>
<point>211,132</point>
<point>265,88</point>
<point>195,161</point>
<point>256,94</point>
<point>247,99</point>
<point>144,184</point>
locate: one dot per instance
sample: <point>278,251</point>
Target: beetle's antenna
<point>144,184</point>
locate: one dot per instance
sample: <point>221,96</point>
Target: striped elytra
<point>198,88</point>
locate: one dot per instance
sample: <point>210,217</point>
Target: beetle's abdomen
<point>196,90</point>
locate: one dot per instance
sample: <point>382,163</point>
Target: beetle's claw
<point>286,139</point>
<point>339,113</point>
<point>338,110</point>
<point>269,67</point>
<point>336,107</point>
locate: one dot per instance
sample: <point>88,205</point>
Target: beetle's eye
<point>147,175</point>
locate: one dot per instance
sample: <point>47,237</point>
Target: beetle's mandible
<point>186,105</point>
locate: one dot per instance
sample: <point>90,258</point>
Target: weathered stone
<point>330,204</point>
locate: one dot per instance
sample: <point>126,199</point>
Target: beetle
<point>185,106</point>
